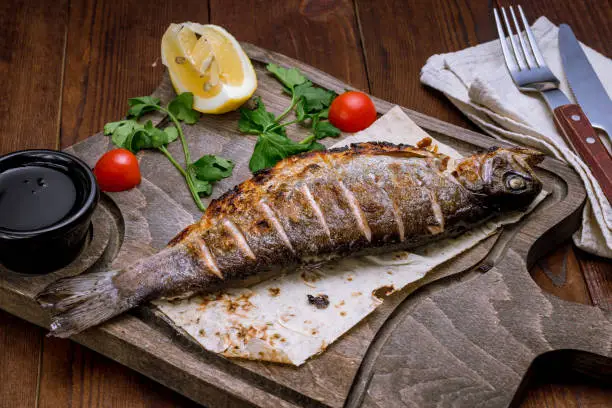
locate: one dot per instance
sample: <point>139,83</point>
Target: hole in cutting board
<point>559,274</point>
<point>566,378</point>
<point>553,260</point>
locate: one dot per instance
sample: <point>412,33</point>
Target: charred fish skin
<point>363,198</point>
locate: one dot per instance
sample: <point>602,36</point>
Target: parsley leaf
<point>122,126</point>
<point>122,131</point>
<point>271,148</point>
<point>314,99</point>
<point>212,168</point>
<point>182,108</point>
<point>141,105</point>
<point>149,137</point>
<point>258,120</point>
<point>133,136</point>
<point>201,187</point>
<point>172,133</point>
<point>325,129</point>
<point>314,146</point>
<point>143,100</point>
<point>208,169</point>
<point>289,77</point>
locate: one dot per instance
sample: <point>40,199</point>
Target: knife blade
<point>583,81</point>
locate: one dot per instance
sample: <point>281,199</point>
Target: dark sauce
<point>35,197</point>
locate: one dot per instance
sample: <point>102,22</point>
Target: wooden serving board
<point>466,339</point>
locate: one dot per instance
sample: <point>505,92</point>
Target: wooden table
<point>68,66</point>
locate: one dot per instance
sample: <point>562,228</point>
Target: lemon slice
<point>208,61</point>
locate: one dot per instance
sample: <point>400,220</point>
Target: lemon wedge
<point>208,61</point>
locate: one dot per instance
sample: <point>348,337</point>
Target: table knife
<point>584,83</point>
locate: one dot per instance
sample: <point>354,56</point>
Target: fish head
<point>503,177</point>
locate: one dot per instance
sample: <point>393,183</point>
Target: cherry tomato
<point>117,170</point>
<point>352,111</point>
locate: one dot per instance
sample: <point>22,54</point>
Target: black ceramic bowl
<point>47,199</point>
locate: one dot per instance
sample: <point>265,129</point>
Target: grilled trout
<point>366,198</point>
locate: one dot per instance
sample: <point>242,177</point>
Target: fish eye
<point>516,182</point>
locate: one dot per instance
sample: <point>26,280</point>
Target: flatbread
<point>274,320</point>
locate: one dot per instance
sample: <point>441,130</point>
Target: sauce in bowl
<point>35,197</point>
<point>47,199</point>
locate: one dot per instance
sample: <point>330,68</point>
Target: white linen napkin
<point>477,82</point>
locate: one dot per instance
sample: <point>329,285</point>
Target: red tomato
<point>352,111</point>
<point>117,170</point>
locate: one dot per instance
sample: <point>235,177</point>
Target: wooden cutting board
<point>468,338</point>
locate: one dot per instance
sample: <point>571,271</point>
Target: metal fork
<point>530,74</point>
<point>526,64</point>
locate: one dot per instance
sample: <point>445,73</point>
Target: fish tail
<point>80,302</point>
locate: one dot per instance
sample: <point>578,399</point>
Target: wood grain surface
<point>135,223</point>
<point>68,67</point>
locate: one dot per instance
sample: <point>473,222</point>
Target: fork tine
<point>532,42</point>
<point>526,51</point>
<point>517,53</point>
<point>510,62</point>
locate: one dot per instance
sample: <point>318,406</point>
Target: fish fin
<point>531,156</point>
<point>79,302</point>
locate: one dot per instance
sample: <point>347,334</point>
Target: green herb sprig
<point>311,106</point>
<point>134,136</point>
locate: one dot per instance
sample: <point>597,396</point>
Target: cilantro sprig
<point>311,106</point>
<point>135,136</point>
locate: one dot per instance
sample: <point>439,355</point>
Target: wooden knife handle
<point>575,125</point>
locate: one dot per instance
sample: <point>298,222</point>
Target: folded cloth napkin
<point>477,82</point>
